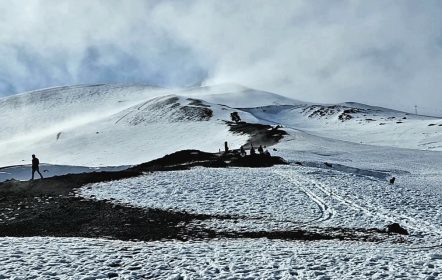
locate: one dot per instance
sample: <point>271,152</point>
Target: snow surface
<point>281,198</point>
<point>75,258</point>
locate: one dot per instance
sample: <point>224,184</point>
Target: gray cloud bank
<point>386,53</point>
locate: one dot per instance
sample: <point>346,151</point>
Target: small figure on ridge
<point>252,150</point>
<point>260,150</point>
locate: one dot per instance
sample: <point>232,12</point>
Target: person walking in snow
<point>35,167</point>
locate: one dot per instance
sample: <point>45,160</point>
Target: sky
<point>380,52</point>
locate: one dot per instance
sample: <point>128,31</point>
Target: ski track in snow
<point>327,196</point>
<point>326,211</point>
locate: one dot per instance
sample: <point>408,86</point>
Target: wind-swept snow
<point>136,129</point>
<point>237,96</point>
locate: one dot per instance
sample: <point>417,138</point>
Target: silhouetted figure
<point>267,153</point>
<point>252,150</point>
<point>260,150</point>
<point>35,163</point>
<point>392,180</point>
<point>242,152</point>
<point>226,147</point>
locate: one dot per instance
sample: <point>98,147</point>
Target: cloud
<point>378,52</point>
<point>48,43</point>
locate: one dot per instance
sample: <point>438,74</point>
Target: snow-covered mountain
<point>109,125</point>
<point>102,125</point>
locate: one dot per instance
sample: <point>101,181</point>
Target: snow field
<point>78,258</point>
<point>253,193</point>
<point>281,198</point>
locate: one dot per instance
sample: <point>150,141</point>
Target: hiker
<point>260,150</point>
<point>35,163</point>
<point>242,152</point>
<point>267,153</point>
<point>252,150</point>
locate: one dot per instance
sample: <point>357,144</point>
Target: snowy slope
<point>38,116</point>
<point>105,125</point>
<point>33,112</point>
<point>358,123</point>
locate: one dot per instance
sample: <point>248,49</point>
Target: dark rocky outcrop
<point>256,161</point>
<point>396,228</point>
<point>259,134</point>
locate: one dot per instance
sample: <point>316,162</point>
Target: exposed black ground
<point>69,216</point>
<point>260,134</point>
